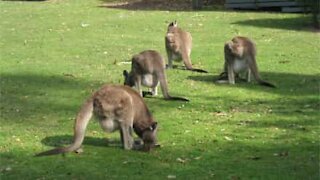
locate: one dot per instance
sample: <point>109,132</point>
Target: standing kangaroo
<point>178,46</point>
<point>240,57</point>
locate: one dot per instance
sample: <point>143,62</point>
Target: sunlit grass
<point>54,54</point>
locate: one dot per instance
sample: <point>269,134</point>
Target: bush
<point>314,6</point>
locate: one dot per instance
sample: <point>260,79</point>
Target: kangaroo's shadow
<point>179,67</point>
<point>204,78</point>
<point>212,79</point>
<point>64,140</point>
<point>288,84</point>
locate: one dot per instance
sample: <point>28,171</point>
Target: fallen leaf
<point>220,113</point>
<point>171,177</point>
<point>228,138</point>
<point>187,131</point>
<point>84,25</point>
<point>181,160</point>
<point>282,154</point>
<point>182,106</point>
<point>124,62</point>
<point>8,169</point>
<point>244,122</point>
<point>68,75</point>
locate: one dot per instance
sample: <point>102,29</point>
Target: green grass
<point>55,53</point>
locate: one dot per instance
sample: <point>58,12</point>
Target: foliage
<point>314,5</point>
<point>55,53</point>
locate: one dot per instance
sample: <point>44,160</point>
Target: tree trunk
<point>197,4</point>
<point>316,14</point>
<point>316,20</point>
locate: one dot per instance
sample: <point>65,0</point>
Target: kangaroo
<point>178,46</point>
<point>148,69</point>
<point>116,108</point>
<point>240,57</point>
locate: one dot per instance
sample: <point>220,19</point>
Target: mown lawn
<point>55,53</point>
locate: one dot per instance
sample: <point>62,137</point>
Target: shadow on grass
<point>239,159</point>
<point>288,84</point>
<point>300,23</point>
<point>31,95</point>
<point>26,0</point>
<point>38,95</point>
<point>283,113</point>
<point>64,140</point>
<point>158,5</point>
<point>27,95</point>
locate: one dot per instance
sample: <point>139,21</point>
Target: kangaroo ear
<point>154,126</point>
<point>136,56</point>
<point>175,23</point>
<point>125,73</point>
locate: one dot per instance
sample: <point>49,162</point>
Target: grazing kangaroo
<point>117,108</point>
<point>148,69</point>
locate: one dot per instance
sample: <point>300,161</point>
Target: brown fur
<point>240,56</point>
<point>116,108</point>
<point>178,46</point>
<point>148,69</point>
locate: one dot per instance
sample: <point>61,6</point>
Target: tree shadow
<point>199,160</point>
<point>26,0</point>
<point>215,152</point>
<point>24,95</point>
<point>30,95</point>
<point>300,23</point>
<point>288,84</point>
<point>286,110</point>
<point>296,125</point>
<point>158,5</point>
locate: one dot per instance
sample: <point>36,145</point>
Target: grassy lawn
<point>55,53</point>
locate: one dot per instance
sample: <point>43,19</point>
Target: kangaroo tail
<point>223,76</point>
<point>172,98</point>
<point>265,83</point>
<point>199,70</point>
<point>80,125</point>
